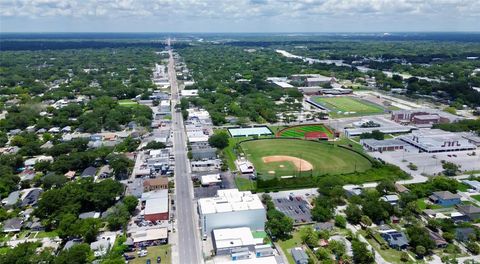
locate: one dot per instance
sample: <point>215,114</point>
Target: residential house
<point>401,188</point>
<point>91,214</point>
<point>299,256</point>
<point>471,211</point>
<point>395,239</point>
<point>440,242</point>
<point>31,196</point>
<point>12,199</point>
<point>463,233</point>
<point>445,198</point>
<point>12,225</point>
<point>322,226</point>
<point>392,199</point>
<point>89,172</point>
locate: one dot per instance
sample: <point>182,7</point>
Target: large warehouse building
<point>231,208</point>
<point>436,140</point>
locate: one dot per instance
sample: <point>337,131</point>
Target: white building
<point>227,239</point>
<point>436,140</point>
<point>231,208</point>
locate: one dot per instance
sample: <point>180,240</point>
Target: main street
<point>189,249</point>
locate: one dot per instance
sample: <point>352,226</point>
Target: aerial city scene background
<point>239,131</point>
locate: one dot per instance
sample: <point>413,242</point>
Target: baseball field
<point>290,157</point>
<point>348,105</point>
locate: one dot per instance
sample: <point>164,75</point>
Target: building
<point>227,240</point>
<point>189,93</point>
<point>12,225</point>
<point>31,196</point>
<point>463,233</point>
<point>156,205</point>
<point>89,172</point>
<point>439,241</point>
<point>203,152</point>
<point>155,184</point>
<point>382,145</point>
<point>475,185</point>
<point>471,211</point>
<point>211,179</point>
<point>436,140</point>
<point>424,117</point>
<point>91,214</point>
<point>299,256</point>
<point>445,198</point>
<point>395,239</point>
<point>322,226</point>
<point>392,199</point>
<point>150,236</point>
<point>231,208</point>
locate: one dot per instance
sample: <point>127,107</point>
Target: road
<point>189,249</point>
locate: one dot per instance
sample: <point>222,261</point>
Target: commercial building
<point>150,236</point>
<point>382,145</point>
<point>228,239</point>
<point>231,208</point>
<point>211,179</point>
<point>156,205</point>
<point>436,140</point>
<point>155,184</point>
<point>424,117</point>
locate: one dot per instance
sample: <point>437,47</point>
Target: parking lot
<point>429,163</point>
<point>294,207</point>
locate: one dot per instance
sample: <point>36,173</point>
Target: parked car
<point>128,257</point>
<point>159,259</point>
<point>149,261</point>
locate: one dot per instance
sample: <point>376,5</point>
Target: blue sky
<point>238,15</point>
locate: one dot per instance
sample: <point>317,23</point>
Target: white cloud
<point>266,12</point>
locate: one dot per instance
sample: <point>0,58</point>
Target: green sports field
<point>348,106</point>
<point>325,158</point>
<point>300,131</point>
<point>127,102</point>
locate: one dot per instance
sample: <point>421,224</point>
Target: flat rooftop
<point>230,200</point>
<point>233,237</point>
<point>249,131</point>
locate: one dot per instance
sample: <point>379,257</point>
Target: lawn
<point>163,251</point>
<point>244,184</point>
<point>323,157</point>
<point>127,102</point>
<point>348,106</point>
<point>300,131</point>
<point>463,187</point>
<point>476,197</point>
<point>286,245</point>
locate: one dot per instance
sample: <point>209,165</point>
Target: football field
<point>348,105</point>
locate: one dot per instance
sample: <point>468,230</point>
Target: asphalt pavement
<point>189,249</point>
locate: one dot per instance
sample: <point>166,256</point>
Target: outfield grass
<point>354,106</point>
<point>325,158</point>
<point>300,131</point>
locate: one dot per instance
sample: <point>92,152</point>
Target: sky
<point>239,15</point>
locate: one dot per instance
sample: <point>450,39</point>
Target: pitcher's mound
<point>301,164</point>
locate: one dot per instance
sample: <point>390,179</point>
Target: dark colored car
<point>128,257</point>
<point>149,261</point>
<point>159,259</point>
